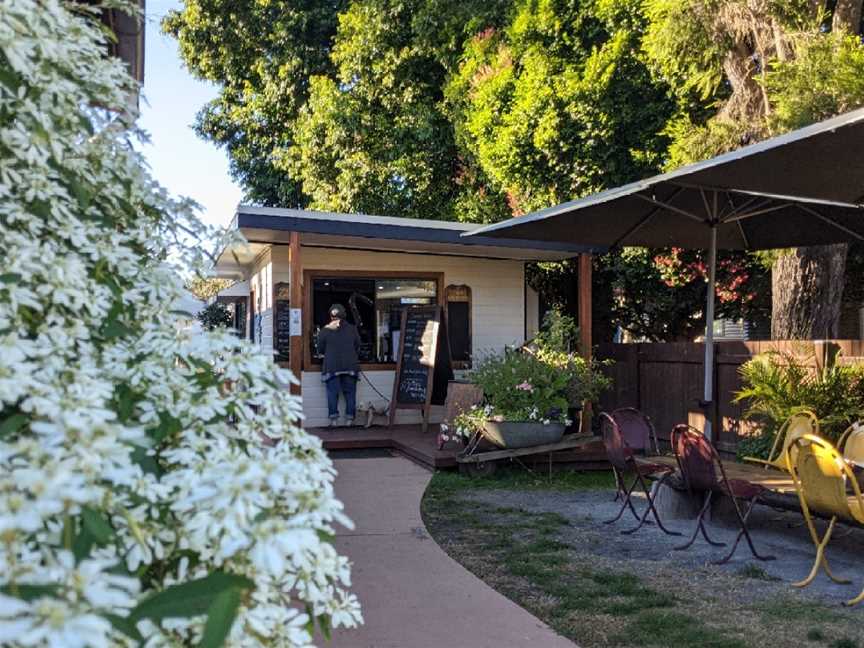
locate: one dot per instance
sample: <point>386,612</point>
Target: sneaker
<point>349,422</point>
<point>332,422</point>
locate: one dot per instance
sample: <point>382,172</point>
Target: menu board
<point>281,322</point>
<point>423,364</point>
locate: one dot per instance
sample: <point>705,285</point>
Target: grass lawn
<point>532,557</point>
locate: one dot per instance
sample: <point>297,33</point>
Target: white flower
<point>126,434</point>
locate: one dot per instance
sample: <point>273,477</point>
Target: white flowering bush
<point>138,505</point>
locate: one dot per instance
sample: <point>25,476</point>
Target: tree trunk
<point>847,15</point>
<point>807,292</point>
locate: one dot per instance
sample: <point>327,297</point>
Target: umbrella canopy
<point>796,190</point>
<point>664,213</point>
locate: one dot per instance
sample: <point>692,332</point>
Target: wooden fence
<point>665,380</point>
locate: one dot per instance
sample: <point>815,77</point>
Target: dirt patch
<point>548,550</point>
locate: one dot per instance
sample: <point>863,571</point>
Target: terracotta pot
<point>522,434</point>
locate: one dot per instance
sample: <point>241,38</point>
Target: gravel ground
<point>650,551</point>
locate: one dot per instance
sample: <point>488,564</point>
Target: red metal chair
<point>639,435</point>
<point>698,463</point>
<point>622,457</point>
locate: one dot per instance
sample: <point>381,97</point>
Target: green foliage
<point>215,315</point>
<point>777,385</point>
<point>557,104</point>
<point>374,138</point>
<point>537,383</point>
<point>205,288</point>
<point>825,78</point>
<point>262,55</point>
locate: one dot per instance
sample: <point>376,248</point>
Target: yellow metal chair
<point>851,443</point>
<point>795,427</point>
<point>821,477</point>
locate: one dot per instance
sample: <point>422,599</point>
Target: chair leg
<point>821,560</point>
<point>856,600</point>
<point>625,505</point>
<point>743,532</point>
<point>651,509</point>
<point>700,527</point>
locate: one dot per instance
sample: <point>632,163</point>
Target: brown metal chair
<point>699,463</point>
<point>639,435</point>
<point>622,457</point>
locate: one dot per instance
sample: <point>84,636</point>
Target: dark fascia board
<point>408,232</point>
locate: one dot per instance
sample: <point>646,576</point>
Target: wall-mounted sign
<point>296,321</point>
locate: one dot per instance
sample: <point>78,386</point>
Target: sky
<point>182,162</point>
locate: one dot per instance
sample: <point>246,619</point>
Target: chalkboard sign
<point>281,322</point>
<point>423,366</point>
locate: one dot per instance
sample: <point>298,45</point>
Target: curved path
<point>413,594</point>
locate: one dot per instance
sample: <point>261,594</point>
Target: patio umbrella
<point>796,190</point>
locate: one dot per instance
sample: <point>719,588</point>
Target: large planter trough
<point>522,434</point>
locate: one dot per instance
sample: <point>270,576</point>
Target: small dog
<point>371,411</point>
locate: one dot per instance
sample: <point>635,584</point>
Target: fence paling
<point>664,380</point>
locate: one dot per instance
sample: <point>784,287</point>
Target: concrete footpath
<point>413,595</point>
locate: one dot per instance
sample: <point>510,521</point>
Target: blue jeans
<point>347,385</point>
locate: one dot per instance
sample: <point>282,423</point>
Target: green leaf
<point>148,464</point>
<point>125,625</point>
<point>188,599</point>
<point>114,329</point>
<point>12,424</point>
<point>9,78</point>
<point>97,525</point>
<point>82,545</point>
<point>30,592</point>
<point>324,623</point>
<point>220,617</point>
<point>10,277</point>
<point>168,426</point>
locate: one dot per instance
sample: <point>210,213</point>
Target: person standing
<point>339,342</point>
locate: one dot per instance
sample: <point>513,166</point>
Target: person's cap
<point>337,311</point>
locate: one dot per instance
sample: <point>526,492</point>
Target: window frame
<point>309,277</point>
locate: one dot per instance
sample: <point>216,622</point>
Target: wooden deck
<point>411,441</point>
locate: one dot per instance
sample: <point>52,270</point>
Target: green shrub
<point>777,385</point>
<point>215,315</point>
<point>539,382</point>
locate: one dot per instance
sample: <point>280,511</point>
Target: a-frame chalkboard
<point>423,367</point>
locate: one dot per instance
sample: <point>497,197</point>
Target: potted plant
<point>530,392</point>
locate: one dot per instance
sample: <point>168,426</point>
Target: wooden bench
<point>781,489</point>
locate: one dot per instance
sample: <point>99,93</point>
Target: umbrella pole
<point>709,335</point>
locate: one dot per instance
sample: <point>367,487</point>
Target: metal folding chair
<point>699,464</point>
<point>639,435</point>
<point>824,479</point>
<point>621,456</point>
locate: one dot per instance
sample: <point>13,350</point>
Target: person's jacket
<point>339,342</point>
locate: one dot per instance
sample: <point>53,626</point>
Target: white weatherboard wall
<point>498,309</point>
<point>261,281</point>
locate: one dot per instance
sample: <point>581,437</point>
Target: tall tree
<point>557,104</point>
<point>768,67</point>
<point>261,55</point>
<point>375,137</point>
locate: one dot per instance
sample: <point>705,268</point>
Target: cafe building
<point>297,263</point>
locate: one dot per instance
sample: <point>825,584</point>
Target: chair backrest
<point>821,476</point>
<point>796,426</point>
<point>618,452</point>
<point>697,459</point>
<point>851,443</point>
<point>637,430</point>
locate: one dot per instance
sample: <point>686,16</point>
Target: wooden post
<point>585,305</point>
<point>585,326</point>
<point>296,302</point>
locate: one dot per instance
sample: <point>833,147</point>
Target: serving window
<point>374,303</point>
